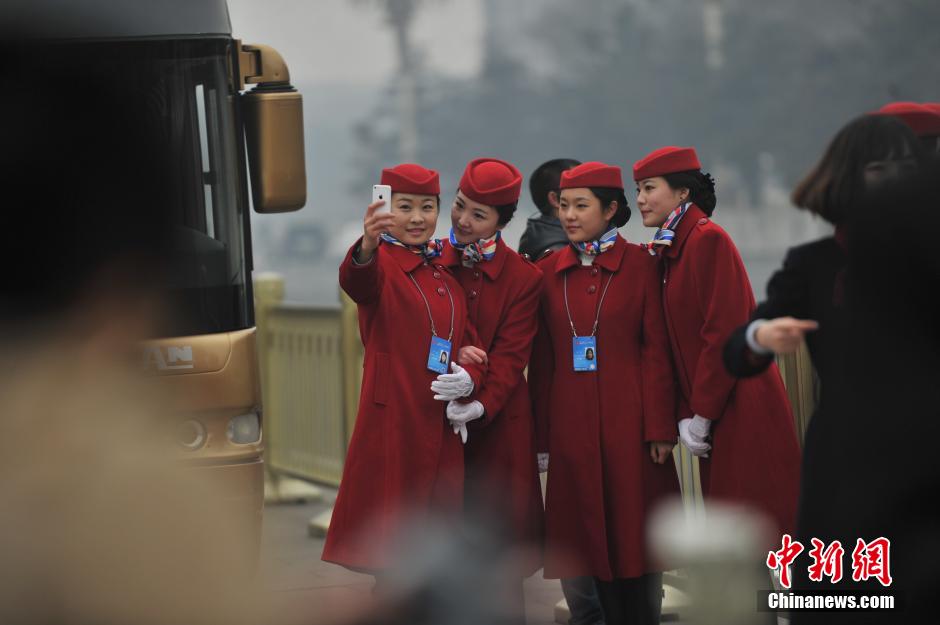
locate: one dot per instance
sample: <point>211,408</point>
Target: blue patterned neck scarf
<point>666,233</point>
<point>430,250</point>
<point>484,249</point>
<point>598,246</point>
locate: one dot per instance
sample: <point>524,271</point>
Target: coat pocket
<point>380,388</point>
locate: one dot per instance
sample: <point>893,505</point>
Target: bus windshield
<point>183,89</point>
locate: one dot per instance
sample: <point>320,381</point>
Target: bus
<point>235,123</point>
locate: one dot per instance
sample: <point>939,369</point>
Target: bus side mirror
<point>274,131</point>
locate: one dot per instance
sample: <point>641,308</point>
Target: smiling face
<point>473,221</point>
<point>415,218</point>
<point>581,215</point>
<point>655,200</point>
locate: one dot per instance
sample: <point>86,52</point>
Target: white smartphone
<point>382,193</point>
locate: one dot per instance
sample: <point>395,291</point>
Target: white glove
<point>695,443</point>
<point>461,430</point>
<point>543,462</point>
<point>460,414</point>
<point>700,427</point>
<point>451,386</point>
<point>464,413</point>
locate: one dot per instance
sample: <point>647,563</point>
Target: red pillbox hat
<point>411,178</point>
<point>667,160</point>
<point>924,119</point>
<point>491,181</point>
<point>592,174</point>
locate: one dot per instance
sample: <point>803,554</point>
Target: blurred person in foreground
<point>882,481</point>
<point>543,231</point>
<point>100,524</point>
<point>859,453</point>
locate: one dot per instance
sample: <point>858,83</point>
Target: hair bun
<point>709,181</point>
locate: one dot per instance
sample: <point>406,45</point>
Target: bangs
<point>889,142</point>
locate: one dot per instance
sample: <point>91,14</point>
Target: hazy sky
<point>347,41</point>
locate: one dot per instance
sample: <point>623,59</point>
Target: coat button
<point>437,274</point>
<point>440,291</point>
<point>592,289</point>
<point>702,221</point>
<point>594,271</point>
<point>473,294</point>
<point>476,275</point>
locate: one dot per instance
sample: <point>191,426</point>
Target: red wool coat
<point>755,456</point>
<point>500,456</point>
<point>404,461</point>
<point>602,483</point>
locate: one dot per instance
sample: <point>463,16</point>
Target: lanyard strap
<point>428,306</point>
<point>597,317</point>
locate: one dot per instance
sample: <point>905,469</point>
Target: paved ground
<point>310,590</point>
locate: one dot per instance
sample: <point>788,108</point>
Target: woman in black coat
<point>847,471</point>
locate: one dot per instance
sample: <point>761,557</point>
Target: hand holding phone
<point>382,193</point>
<point>378,219</point>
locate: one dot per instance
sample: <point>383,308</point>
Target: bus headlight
<point>191,434</point>
<point>244,429</point>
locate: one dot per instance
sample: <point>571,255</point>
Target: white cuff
<point>750,335</point>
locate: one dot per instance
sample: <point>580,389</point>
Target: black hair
<point>506,211</point>
<point>547,178</point>
<point>836,184</point>
<point>609,194</point>
<point>701,188</point>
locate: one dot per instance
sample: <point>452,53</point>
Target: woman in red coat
<point>502,291</point>
<point>404,464</point>
<point>742,430</point>
<point>604,399</point>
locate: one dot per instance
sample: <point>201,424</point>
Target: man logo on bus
<point>176,358</point>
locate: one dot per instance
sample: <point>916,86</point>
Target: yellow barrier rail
<point>304,364</point>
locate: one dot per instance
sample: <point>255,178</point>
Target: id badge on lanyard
<point>439,355</point>
<point>584,348</point>
<point>584,353</point>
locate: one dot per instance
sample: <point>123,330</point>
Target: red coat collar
<point>451,257</point>
<point>695,216</point>
<point>610,260</point>
<point>408,260</point>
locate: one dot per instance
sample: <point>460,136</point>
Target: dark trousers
<point>632,600</point>
<point>581,596</point>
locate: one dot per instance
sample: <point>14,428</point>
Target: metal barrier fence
<point>311,367</point>
<point>307,363</point>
